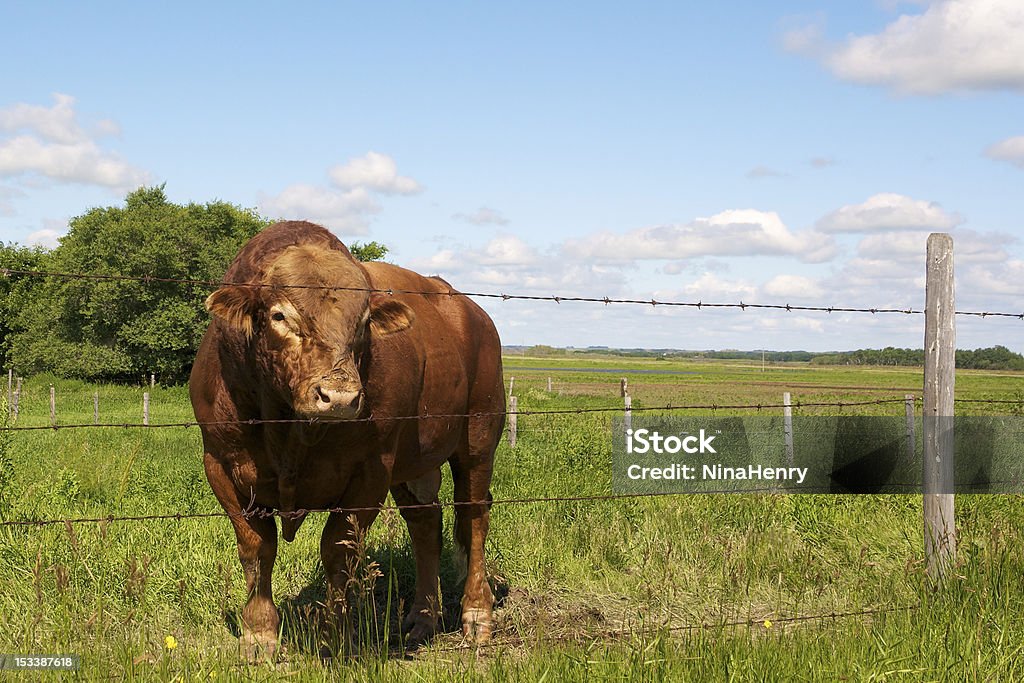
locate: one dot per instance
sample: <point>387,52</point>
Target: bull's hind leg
<point>257,550</point>
<point>472,466</point>
<point>425,530</point>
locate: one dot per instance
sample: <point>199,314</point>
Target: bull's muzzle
<point>336,402</point>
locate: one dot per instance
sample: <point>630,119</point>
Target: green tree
<point>14,289</point>
<point>371,251</point>
<point>120,329</point>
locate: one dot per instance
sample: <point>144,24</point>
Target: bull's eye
<point>277,315</point>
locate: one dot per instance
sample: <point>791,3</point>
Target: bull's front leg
<point>257,550</point>
<point>341,549</point>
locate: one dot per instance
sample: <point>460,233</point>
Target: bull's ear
<point>388,315</point>
<point>235,306</point>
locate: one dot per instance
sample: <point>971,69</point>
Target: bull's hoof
<point>419,627</point>
<point>477,625</point>
<point>258,647</point>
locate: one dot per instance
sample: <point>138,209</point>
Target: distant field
<point>740,587</point>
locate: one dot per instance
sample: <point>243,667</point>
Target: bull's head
<point>307,341</point>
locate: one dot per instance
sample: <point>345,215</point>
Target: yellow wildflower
<point>170,643</point>
<point>767,623</point>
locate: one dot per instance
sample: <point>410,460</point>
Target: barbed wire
<point>448,416</point>
<point>255,512</point>
<point>315,421</point>
<point>698,305</point>
<point>266,513</point>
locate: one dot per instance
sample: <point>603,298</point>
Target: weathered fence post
<point>787,427</point>
<point>623,387</point>
<point>14,404</point>
<point>511,383</point>
<point>145,408</point>
<point>96,407</point>
<point>939,377</point>
<point>10,382</point>
<point>549,385</point>
<point>53,406</point>
<point>512,421</point>
<point>627,421</point>
<point>911,440</point>
<point>152,380</point>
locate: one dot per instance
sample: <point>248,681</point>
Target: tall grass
<point>678,588</point>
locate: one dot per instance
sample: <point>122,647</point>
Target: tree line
<point>121,330</point>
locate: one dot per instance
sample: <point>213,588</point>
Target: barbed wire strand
<point>448,416</point>
<point>698,305</point>
<point>714,407</point>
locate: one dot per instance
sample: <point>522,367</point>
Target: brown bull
<point>355,361</point>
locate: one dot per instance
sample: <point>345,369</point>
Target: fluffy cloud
<point>49,141</point>
<point>482,216</point>
<point>889,211</point>
<point>954,45</point>
<point>969,246</point>
<point>761,171</point>
<point>1011,150</point>
<point>737,232</point>
<point>793,287</point>
<point>374,171</point>
<point>348,207</point>
<point>347,213</point>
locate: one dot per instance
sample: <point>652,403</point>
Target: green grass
<point>589,590</point>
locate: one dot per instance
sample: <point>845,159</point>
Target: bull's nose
<point>337,401</point>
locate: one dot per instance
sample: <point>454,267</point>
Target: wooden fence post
<point>145,408</point>
<point>511,383</point>
<point>10,382</point>
<point>787,427</point>
<point>96,407</point>
<point>627,421</point>
<point>14,404</point>
<point>53,406</point>
<point>911,439</point>
<point>549,385</point>
<point>623,387</point>
<point>512,421</point>
<point>939,377</point>
<point>152,380</point>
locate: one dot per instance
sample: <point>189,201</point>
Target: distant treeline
<point>992,358</point>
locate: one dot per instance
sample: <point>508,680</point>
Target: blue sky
<point>767,152</point>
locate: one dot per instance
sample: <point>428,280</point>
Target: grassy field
<point>738,587</point>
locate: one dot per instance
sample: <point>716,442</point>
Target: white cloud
<point>710,287</point>
<point>793,287</point>
<point>889,211</point>
<point>49,142</point>
<point>969,247</point>
<point>1005,280</point>
<point>44,238</point>
<point>374,171</point>
<point>736,232</point>
<point>761,171</point>
<point>56,124</point>
<point>6,195</point>
<point>482,216</point>
<point>822,162</point>
<point>344,212</point>
<point>953,46</point>
<point>1010,150</point>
